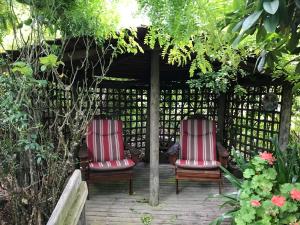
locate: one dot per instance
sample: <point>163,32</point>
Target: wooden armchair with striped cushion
<point>105,159</point>
<point>198,158</point>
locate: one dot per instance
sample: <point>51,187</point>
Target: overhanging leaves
<point>271,6</point>
<point>271,22</point>
<point>250,20</point>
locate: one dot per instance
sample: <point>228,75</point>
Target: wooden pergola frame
<point>150,70</point>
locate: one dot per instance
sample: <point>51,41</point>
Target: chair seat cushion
<point>194,164</point>
<point>111,165</point>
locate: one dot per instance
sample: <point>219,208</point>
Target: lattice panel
<point>60,102</point>
<point>248,126</point>
<point>130,106</point>
<point>179,103</point>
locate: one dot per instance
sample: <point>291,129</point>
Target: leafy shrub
<point>263,198</point>
<point>270,190</point>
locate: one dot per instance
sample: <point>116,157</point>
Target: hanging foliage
<point>228,32</point>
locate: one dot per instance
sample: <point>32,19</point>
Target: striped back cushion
<point>198,140</point>
<point>104,140</point>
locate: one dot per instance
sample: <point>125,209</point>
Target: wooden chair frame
<point>195,174</point>
<point>213,175</point>
<point>92,176</point>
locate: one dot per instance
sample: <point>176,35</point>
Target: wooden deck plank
<point>110,203</point>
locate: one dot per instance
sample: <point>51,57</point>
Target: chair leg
<point>177,189</point>
<point>130,186</point>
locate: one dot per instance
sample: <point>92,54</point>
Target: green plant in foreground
<point>263,199</point>
<point>270,191</point>
<point>146,219</point>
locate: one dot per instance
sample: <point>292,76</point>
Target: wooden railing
<point>70,208</point>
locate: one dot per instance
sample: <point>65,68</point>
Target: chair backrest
<point>104,140</point>
<point>198,140</point>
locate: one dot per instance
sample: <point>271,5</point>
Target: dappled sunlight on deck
<point>110,203</point>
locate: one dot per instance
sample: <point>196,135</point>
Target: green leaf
<point>28,22</point>
<point>238,26</point>
<point>232,179</point>
<point>49,61</point>
<point>236,42</point>
<point>270,174</point>
<point>271,22</point>
<point>271,6</point>
<point>248,173</point>
<point>261,62</point>
<point>22,68</point>
<point>250,20</point>
<point>43,68</point>
<point>20,25</point>
<point>261,34</point>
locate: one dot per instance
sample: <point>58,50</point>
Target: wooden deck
<point>110,203</point>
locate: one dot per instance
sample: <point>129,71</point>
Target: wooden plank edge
<point>77,206</point>
<point>66,199</point>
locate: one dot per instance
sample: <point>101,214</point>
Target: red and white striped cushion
<point>105,141</point>
<point>112,165</point>
<point>198,140</point>
<point>194,164</point>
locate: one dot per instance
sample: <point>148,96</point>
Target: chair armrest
<point>174,149</point>
<point>173,153</point>
<point>223,154</point>
<point>132,153</point>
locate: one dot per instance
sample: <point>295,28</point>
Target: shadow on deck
<point>110,203</point>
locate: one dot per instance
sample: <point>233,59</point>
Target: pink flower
<point>278,200</point>
<point>295,194</point>
<point>255,203</point>
<point>268,157</point>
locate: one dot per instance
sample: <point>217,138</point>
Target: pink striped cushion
<point>112,165</point>
<point>193,164</point>
<point>105,141</point>
<point>198,140</point>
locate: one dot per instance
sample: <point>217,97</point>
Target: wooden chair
<point>104,157</point>
<point>198,153</point>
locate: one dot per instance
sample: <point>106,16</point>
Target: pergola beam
<point>154,129</point>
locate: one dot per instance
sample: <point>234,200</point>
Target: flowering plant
<point>263,198</point>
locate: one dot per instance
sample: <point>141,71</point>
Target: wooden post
<point>221,117</point>
<point>154,129</point>
<point>285,115</point>
<point>147,150</point>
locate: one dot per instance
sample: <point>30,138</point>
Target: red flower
<point>268,157</point>
<point>255,203</point>
<point>295,194</point>
<point>278,200</point>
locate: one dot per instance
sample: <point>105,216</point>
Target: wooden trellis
<point>248,126</point>
<point>179,102</point>
<point>128,104</point>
